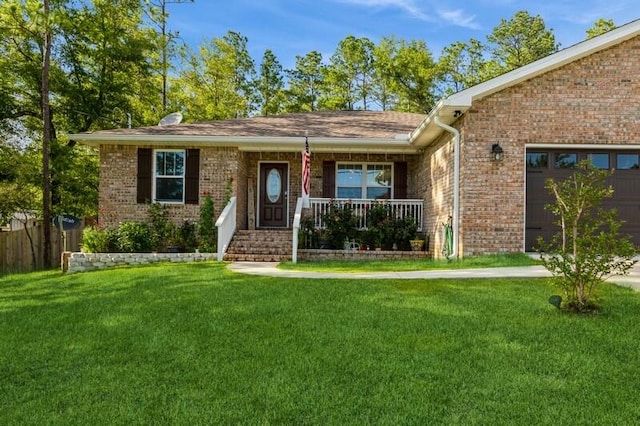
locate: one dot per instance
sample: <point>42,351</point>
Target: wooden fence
<point>16,254</point>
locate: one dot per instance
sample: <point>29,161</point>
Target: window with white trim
<point>169,174</point>
<point>364,180</point>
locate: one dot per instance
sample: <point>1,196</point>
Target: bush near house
<point>341,224</point>
<point>160,235</point>
<point>384,230</point>
<point>589,247</point>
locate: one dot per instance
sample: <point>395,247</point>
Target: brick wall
<point>118,182</point>
<point>432,181</point>
<point>595,100</point>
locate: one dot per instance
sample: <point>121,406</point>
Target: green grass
<point>489,261</point>
<point>197,344</point>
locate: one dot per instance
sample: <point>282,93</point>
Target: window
<point>372,181</point>
<point>627,161</point>
<point>599,161</point>
<point>169,166</point>
<point>537,160</point>
<point>566,161</point>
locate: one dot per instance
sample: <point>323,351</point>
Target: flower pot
<point>416,245</point>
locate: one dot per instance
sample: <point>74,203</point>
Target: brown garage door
<point>559,164</point>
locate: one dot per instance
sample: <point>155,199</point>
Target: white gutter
<point>397,145</point>
<point>456,181</point>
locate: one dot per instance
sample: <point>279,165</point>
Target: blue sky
<point>296,27</point>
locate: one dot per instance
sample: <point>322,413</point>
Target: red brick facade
<point>592,101</point>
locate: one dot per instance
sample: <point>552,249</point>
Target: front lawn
<point>198,344</point>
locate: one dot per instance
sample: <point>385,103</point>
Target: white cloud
<point>408,6</point>
<point>417,10</point>
<point>459,18</point>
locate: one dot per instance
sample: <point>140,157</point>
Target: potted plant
<point>420,243</point>
<point>416,245</point>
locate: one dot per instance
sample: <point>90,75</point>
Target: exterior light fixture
<point>497,153</point>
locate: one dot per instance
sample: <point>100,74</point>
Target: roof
<point>384,131</point>
<point>452,107</point>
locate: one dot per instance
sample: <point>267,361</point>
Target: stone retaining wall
<point>81,262</point>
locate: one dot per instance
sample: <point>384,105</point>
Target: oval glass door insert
<point>274,185</point>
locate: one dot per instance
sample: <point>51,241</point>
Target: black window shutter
<point>328,179</point>
<point>192,177</point>
<point>400,180</point>
<point>144,175</point>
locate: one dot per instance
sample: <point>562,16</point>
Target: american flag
<point>306,172</point>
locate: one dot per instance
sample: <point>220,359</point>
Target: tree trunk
<point>46,138</point>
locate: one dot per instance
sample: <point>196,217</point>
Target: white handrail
<point>226,225</point>
<point>296,228</point>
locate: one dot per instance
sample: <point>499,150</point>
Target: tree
<point>589,247</point>
<point>348,77</point>
<point>384,72</point>
<point>159,15</point>
<point>414,73</point>
<point>271,84</point>
<point>521,40</point>
<point>600,27</point>
<point>105,53</point>
<point>46,134</point>
<point>20,185</point>
<point>68,66</point>
<point>305,83</point>
<point>463,65</point>
<point>217,83</point>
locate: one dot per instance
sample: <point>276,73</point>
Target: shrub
<point>404,230</point>
<point>99,240</point>
<point>588,248</point>
<point>379,226</point>
<point>385,231</point>
<point>309,235</point>
<point>340,223</point>
<point>133,237</point>
<point>207,231</point>
<point>162,229</point>
<point>186,236</point>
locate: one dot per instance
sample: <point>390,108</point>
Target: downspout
<point>456,182</point>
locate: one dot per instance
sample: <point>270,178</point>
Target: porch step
<point>260,246</point>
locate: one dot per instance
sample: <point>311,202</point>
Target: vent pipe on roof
<point>456,182</point>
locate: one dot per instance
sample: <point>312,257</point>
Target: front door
<point>274,195</point>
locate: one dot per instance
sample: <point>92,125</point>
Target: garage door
<point>559,164</point>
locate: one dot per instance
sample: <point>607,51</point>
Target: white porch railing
<point>226,225</point>
<point>398,208</point>
<point>296,228</point>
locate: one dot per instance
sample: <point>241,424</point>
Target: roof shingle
<point>329,124</point>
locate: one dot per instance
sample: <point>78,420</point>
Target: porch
<point>283,244</point>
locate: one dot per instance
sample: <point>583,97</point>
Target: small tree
<point>207,232</point>
<point>588,248</point>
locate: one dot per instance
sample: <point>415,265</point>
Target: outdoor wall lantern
<point>497,153</point>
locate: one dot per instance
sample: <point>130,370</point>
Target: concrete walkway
<point>270,269</point>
